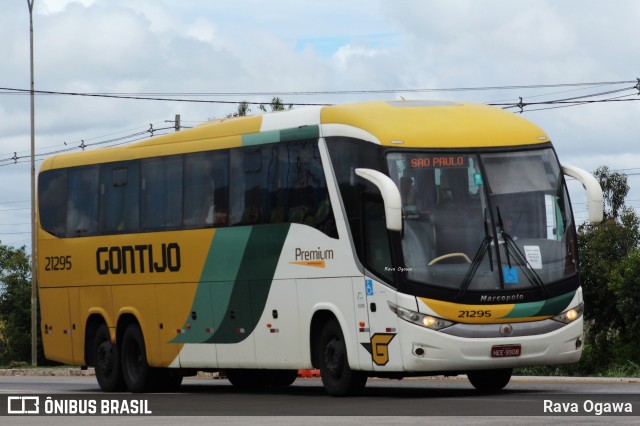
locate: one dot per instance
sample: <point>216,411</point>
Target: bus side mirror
<point>595,205</point>
<point>390,196</point>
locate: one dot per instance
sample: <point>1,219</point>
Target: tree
<point>614,190</point>
<point>244,109</point>
<point>625,286</point>
<point>15,305</point>
<point>608,252</point>
<point>276,105</point>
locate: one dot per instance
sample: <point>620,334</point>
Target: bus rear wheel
<point>337,377</point>
<point>490,380</point>
<point>252,378</point>
<point>135,369</point>
<point>106,361</point>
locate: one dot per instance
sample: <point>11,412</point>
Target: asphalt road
<point>410,401</point>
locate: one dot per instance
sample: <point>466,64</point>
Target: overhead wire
<point>589,98</point>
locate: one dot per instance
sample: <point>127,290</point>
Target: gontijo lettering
<point>141,258</point>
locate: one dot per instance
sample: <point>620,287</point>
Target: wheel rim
<point>334,357</point>
<point>104,361</point>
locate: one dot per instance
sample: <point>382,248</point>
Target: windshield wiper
<point>485,246</point>
<point>511,246</point>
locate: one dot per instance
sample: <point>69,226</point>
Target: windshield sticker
<point>510,275</point>
<point>532,253</point>
<point>477,179</point>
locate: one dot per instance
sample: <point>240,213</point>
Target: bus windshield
<point>484,221</point>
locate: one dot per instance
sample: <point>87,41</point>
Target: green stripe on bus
<point>553,307</point>
<point>261,138</point>
<point>216,284</point>
<point>549,307</point>
<point>273,136</point>
<point>235,284</point>
<point>522,310</point>
<point>251,288</point>
<point>304,132</point>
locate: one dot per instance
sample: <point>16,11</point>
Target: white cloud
<point>163,46</point>
<point>56,6</point>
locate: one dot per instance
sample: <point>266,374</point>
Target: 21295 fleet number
<point>474,314</point>
<point>57,263</point>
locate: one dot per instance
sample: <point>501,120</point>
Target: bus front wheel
<point>490,380</point>
<point>106,361</point>
<point>337,377</point>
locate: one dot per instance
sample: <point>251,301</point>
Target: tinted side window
<point>161,193</point>
<point>206,189</point>
<point>304,194</point>
<point>82,201</point>
<point>52,201</point>
<point>119,197</point>
<point>250,170</point>
<point>348,154</point>
<point>277,183</point>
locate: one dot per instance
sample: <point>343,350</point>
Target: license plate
<point>502,351</point>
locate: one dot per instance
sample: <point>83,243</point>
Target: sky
<point>312,52</point>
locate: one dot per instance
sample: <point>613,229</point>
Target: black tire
<point>135,370</point>
<point>261,379</point>
<point>281,378</point>
<point>106,361</point>
<point>337,377</point>
<point>165,380</point>
<point>245,378</point>
<point>490,380</point>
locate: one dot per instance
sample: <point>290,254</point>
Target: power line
<point>557,103</point>
<point>153,95</point>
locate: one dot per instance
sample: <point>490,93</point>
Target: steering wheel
<point>449,256</point>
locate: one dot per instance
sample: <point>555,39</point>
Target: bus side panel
<point>77,326</point>
<point>362,318</point>
<point>173,301</point>
<point>236,347</point>
<point>140,300</point>
<point>56,324</point>
<point>197,325</point>
<point>277,334</point>
<point>334,295</point>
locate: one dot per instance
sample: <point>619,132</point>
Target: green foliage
<point>244,109</point>
<point>614,190</point>
<point>15,305</point>
<point>610,276</point>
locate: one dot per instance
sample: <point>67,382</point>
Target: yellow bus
<point>376,239</point>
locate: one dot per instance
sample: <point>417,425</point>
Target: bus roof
<point>410,124</point>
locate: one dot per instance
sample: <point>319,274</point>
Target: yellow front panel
<point>444,125</point>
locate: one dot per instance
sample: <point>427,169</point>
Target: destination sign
<point>438,161</point>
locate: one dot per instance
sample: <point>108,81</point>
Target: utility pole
<point>34,239</point>
<point>177,122</point>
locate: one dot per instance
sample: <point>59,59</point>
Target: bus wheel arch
<point>136,371</point>
<point>320,318</point>
<point>332,357</point>
<point>103,354</point>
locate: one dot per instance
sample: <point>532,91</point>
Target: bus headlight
<point>428,321</point>
<point>570,315</point>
